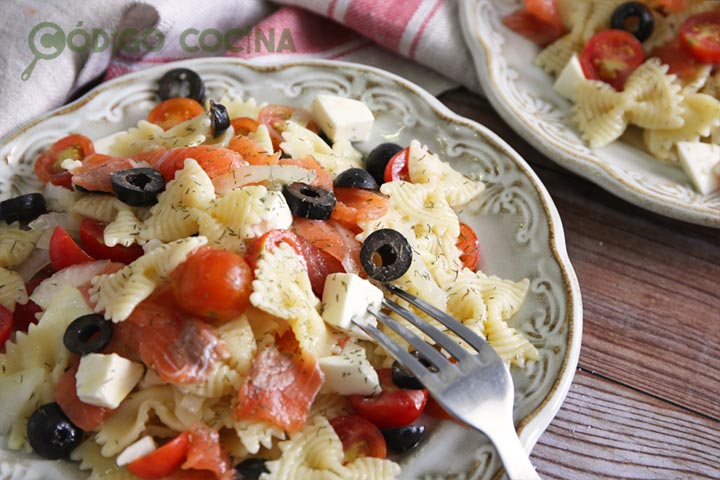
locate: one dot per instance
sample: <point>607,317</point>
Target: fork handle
<point>515,459</point>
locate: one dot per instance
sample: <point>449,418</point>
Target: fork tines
<point>427,351</point>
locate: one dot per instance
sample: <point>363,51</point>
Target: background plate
<point>522,94</point>
<point>518,225</point>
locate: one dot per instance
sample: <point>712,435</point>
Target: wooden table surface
<point>645,401</point>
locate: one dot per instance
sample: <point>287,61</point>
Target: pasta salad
<point>180,301</point>
<point>644,66</point>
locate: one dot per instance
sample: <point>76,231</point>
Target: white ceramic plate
<point>520,231</point>
<point>522,93</point>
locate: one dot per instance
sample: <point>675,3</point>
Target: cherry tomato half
<point>64,251</point>
<point>393,407</point>
<point>359,437</point>
<point>93,241</point>
<point>163,461</point>
<point>679,61</point>
<point>174,111</point>
<point>275,116</point>
<point>6,325</point>
<point>469,246</point>
<point>213,283</point>
<point>244,125</point>
<point>611,56</point>
<point>397,167</point>
<point>434,409</point>
<point>701,34</point>
<point>47,165</point>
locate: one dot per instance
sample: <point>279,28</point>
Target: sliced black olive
<point>51,433</point>
<point>356,178</point>
<point>251,469</point>
<point>378,159</point>
<point>403,439</point>
<point>181,82</point>
<point>308,201</point>
<point>22,208</point>
<point>403,378</point>
<point>78,188</point>
<point>635,18</point>
<point>88,334</point>
<point>138,187</point>
<point>385,255</point>
<point>219,118</point>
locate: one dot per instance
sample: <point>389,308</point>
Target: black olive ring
<point>403,378</point>
<point>378,159</point>
<point>137,187</point>
<point>88,334</point>
<point>51,433</point>
<point>356,178</point>
<point>251,468</point>
<point>22,208</point>
<point>181,82</point>
<point>403,439</point>
<point>385,255</point>
<point>308,201</point>
<point>645,21</point>
<point>219,118</point>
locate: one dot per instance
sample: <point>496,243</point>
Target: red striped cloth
<point>419,40</point>
<point>415,38</point>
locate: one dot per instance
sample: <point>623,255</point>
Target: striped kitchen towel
<point>52,52</point>
<point>399,36</point>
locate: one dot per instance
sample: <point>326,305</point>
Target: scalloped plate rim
<point>534,424</point>
<point>589,168</point>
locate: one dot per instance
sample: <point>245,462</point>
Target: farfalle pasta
<point>646,65</point>
<point>220,295</point>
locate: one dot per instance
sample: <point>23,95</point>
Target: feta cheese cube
<point>347,297</point>
<point>277,214</point>
<point>568,80</point>
<point>341,117</point>
<point>105,380</point>
<point>142,448</point>
<point>350,373</point>
<point>700,161</point>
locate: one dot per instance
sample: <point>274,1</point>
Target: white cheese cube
<point>700,161</point>
<point>350,373</point>
<point>347,297</point>
<point>341,117</point>
<point>568,80</point>
<point>105,380</point>
<point>277,214</point>
<point>142,448</point>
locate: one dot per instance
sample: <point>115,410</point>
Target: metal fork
<point>477,389</point>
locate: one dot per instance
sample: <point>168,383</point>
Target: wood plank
<point>604,430</point>
<point>649,283</point>
<point>649,295</point>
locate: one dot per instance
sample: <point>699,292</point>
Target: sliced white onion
<point>59,199</point>
<point>270,175</point>
<point>47,222</point>
<point>33,264</point>
<point>73,276</point>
